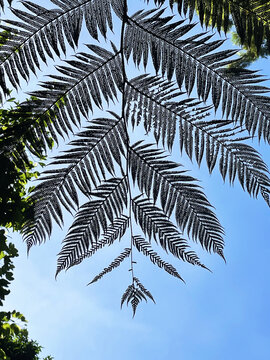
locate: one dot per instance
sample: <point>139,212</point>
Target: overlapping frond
<point>115,263</point>
<point>151,100</point>
<point>90,156</point>
<point>144,247</point>
<point>114,231</point>
<point>252,21</point>
<point>155,224</point>
<point>87,80</point>
<point>17,146</point>
<point>218,140</point>
<point>250,17</point>
<point>43,33</point>
<point>192,60</point>
<point>178,192</point>
<point>143,289</point>
<point>93,218</point>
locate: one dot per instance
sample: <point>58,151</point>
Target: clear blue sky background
<point>221,315</point>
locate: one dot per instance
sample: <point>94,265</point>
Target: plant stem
<point>127,134</point>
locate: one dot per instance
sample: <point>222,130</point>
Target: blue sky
<point>220,315</point>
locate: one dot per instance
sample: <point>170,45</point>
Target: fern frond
<point>151,100</point>
<point>90,154</point>
<point>219,142</point>
<point>143,289</point>
<point>42,32</point>
<point>251,18</point>
<point>155,224</point>
<point>97,14</point>
<point>178,192</point>
<point>101,161</point>
<point>252,21</point>
<point>92,218</point>
<point>192,59</point>
<point>115,230</point>
<point>134,296</point>
<point>116,262</point>
<point>145,248</point>
<point>87,80</point>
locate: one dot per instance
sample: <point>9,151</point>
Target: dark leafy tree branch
<point>119,186</point>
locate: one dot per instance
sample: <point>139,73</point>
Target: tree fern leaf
<point>78,160</point>
<point>47,29</point>
<point>116,262</point>
<point>145,247</point>
<point>143,289</point>
<point>187,61</point>
<point>115,230</point>
<point>133,295</point>
<point>178,191</point>
<point>92,219</point>
<point>155,224</point>
<point>164,108</point>
<point>199,136</point>
<point>68,97</point>
<point>251,18</point>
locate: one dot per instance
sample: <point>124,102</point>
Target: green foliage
<point>16,167</point>
<point>249,54</point>
<point>15,207</point>
<point>18,346</point>
<point>8,320</point>
<point>7,253</point>
<point>247,20</point>
<point>251,18</point>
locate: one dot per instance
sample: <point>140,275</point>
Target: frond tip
<point>116,262</point>
<point>145,247</point>
<point>93,218</point>
<point>134,294</point>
